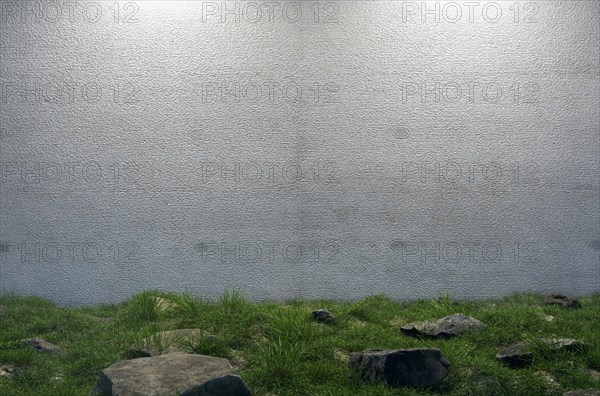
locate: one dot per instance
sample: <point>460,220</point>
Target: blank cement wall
<point>329,149</point>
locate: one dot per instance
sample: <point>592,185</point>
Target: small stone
<point>322,315</point>
<point>171,374</point>
<point>415,367</point>
<point>448,326</point>
<point>6,371</point>
<point>236,359</point>
<point>165,342</point>
<point>548,379</point>
<point>548,318</point>
<point>516,356</point>
<point>562,301</point>
<point>583,392</point>
<point>41,345</point>
<point>595,374</point>
<point>342,355</point>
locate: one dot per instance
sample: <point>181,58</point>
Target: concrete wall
<point>329,149</point>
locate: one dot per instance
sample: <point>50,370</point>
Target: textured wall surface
<point>327,149</point>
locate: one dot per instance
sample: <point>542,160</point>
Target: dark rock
<point>171,374</point>
<point>416,367</point>
<point>165,342</point>
<point>521,355</point>
<point>322,315</point>
<point>516,356</point>
<point>562,301</point>
<point>448,326</point>
<point>41,345</point>
<point>583,392</point>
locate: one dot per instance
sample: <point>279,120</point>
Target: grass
<point>280,350</point>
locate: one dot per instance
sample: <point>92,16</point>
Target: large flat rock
<point>171,374</point>
<point>448,326</point>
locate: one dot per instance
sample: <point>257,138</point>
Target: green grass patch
<point>279,350</point>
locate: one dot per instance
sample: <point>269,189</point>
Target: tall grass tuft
<point>141,309</point>
<point>232,301</point>
<point>190,308</point>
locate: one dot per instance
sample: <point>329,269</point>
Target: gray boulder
<point>171,374</point>
<point>566,344</point>
<point>42,345</point>
<point>562,301</point>
<point>448,326</point>
<point>415,367</point>
<point>521,355</point>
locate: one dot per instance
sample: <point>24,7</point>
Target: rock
<point>2,310</point>
<point>516,356</point>
<point>521,355</point>
<point>165,342</point>
<point>342,355</point>
<point>567,344</point>
<point>171,374</point>
<point>583,392</point>
<point>448,326</point>
<point>6,371</point>
<point>415,367</point>
<point>41,345</point>
<point>562,301</point>
<point>162,304</point>
<point>595,374</point>
<point>548,379</point>
<point>322,315</point>
<point>548,318</point>
<point>236,358</point>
